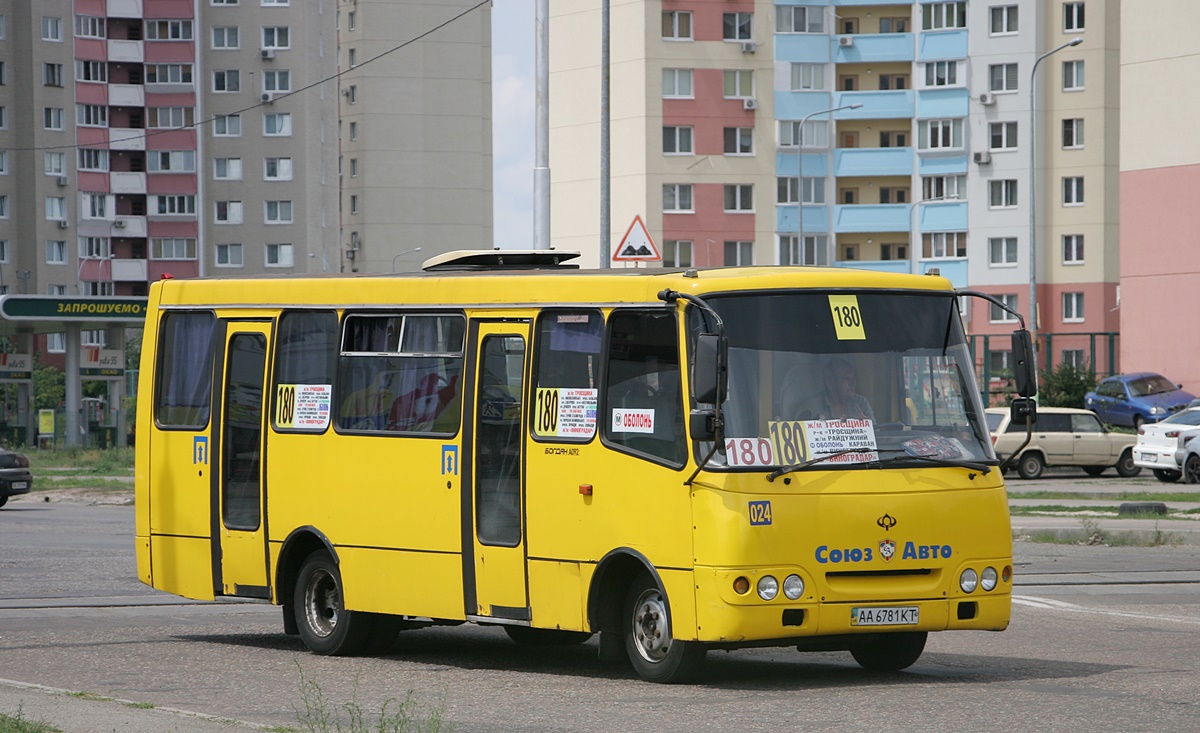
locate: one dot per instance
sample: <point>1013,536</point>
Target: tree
<point>1066,385</point>
<point>49,387</point>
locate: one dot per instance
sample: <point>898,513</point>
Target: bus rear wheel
<point>655,655</point>
<point>325,626</point>
<point>890,652</point>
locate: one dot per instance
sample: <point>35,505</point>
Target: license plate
<point>885,616</point>
<point>1149,458</point>
<point>20,485</point>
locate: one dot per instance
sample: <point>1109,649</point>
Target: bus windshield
<point>851,379</point>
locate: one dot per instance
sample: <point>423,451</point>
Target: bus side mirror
<point>1023,411</point>
<point>708,369</point>
<point>1024,368</point>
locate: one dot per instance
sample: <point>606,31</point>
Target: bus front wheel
<point>325,626</point>
<point>890,652</point>
<point>655,656</point>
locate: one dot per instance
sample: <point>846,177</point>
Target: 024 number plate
<point>885,616</point>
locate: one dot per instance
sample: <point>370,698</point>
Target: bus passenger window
<point>183,385</point>
<point>644,397</point>
<point>567,372</point>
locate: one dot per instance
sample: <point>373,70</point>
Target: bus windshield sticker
<point>565,412</point>
<point>796,441</point>
<point>847,318</point>
<point>749,452</point>
<point>632,421</point>
<point>303,406</point>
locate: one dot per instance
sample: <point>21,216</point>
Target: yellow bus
<point>652,455</point>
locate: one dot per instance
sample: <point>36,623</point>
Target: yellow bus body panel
<point>556,594</point>
<point>183,566</point>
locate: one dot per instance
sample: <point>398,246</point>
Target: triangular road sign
<point>637,244</point>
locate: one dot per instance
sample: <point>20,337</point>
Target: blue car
<point>1133,399</point>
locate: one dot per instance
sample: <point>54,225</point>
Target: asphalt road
<point>1102,638</point>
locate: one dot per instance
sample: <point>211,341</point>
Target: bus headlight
<point>768,587</point>
<point>793,587</point>
<point>988,581</point>
<point>968,580</point>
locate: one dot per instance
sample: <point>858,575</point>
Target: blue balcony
<point>874,48</point>
<point>872,162</point>
<point>942,45</point>
<point>942,103</point>
<point>890,104</point>
<point>900,266</point>
<point>953,269</point>
<point>867,218</point>
<point>816,218</point>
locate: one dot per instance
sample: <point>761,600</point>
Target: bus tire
<point>325,625</point>
<point>890,652</point>
<point>655,655</point>
<point>529,636</point>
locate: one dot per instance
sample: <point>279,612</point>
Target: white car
<point>1160,446</point>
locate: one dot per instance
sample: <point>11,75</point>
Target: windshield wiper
<point>981,467</point>
<point>813,461</point>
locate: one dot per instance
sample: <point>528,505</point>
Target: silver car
<point>1160,446</point>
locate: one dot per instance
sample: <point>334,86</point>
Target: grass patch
<point>321,715</point>
<point>42,483</point>
<point>139,705</point>
<point>1109,512</point>
<point>111,462</point>
<point>90,696</point>
<point>1181,496</point>
<point>20,724</point>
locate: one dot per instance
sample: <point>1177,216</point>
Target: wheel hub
<point>321,605</point>
<point>651,629</point>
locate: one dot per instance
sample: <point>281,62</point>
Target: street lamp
<point>914,238</point>
<point>401,254</point>
<point>800,168</point>
<point>324,262</point>
<point>1033,319</point>
<point>83,259</point>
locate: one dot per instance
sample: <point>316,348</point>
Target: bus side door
<point>494,492</point>
<point>238,433</point>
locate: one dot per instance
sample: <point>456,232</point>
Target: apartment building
<point>146,138</point>
<point>884,135</point>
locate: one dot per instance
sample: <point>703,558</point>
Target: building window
<point>173,248</point>
<point>168,30</point>
<point>353,203</point>
<point>677,253</point>
<point>276,37</point>
<point>943,187</point>
<point>799,19</point>
<point>94,247</point>
<point>738,84</point>
<point>941,74</point>
<point>677,198</point>
<point>280,125</point>
<point>893,194</point>
<point>353,131</point>
<point>1072,249</point>
<point>277,169</point>
<point>1002,194</point>
<point>56,208</point>
<point>1073,133</point>
<point>1072,304</point>
<point>277,212</point>
<point>352,57</point>
<point>737,26</point>
<point>1003,136</point>
<point>814,135</point>
<point>1002,251</point>
<point>52,29</point>
<point>168,74</point>
<point>3,162</point>
<point>227,81</point>
<point>90,26</point>
<point>1074,357</point>
<point>54,163</point>
<point>1072,76</point>
<point>1073,191</point>
<point>352,94</point>
<point>276,3</point>
<point>677,83</point>
<point>677,25</point>
<point>937,16</point>
<point>939,134</point>
<point>95,205</point>
<point>1072,17</point>
<point>996,314</point>
<point>56,252</point>
<point>808,76</point>
<point>1002,78</point>
<point>4,206</point>
<point>176,205</point>
<point>739,198</point>
<point>941,245</point>
<point>1004,20</point>
<point>791,253</point>
<point>279,255</point>
<point>3,117</point>
<point>171,161</point>
<point>52,75</point>
<point>52,118</point>
<point>224,2</point>
<point>739,140</point>
<point>93,159</point>
<point>227,126</point>
<point>228,255</point>
<point>354,167</point>
<point>739,253</point>
<point>277,81</point>
<point>227,169</point>
<point>677,140</point>
<point>166,118</point>
<point>228,212</point>
<point>352,20</point>
<point>813,190</point>
<point>225,38</point>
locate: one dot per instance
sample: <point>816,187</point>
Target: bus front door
<point>494,501</point>
<point>238,500</point>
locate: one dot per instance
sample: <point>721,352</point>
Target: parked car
<point>1133,399</point>
<point>1063,436</point>
<point>15,477</point>
<point>1160,446</point>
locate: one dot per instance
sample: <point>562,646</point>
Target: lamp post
<point>401,254</point>
<point>324,262</point>
<point>914,237</point>
<point>1033,319</point>
<point>800,168</point>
